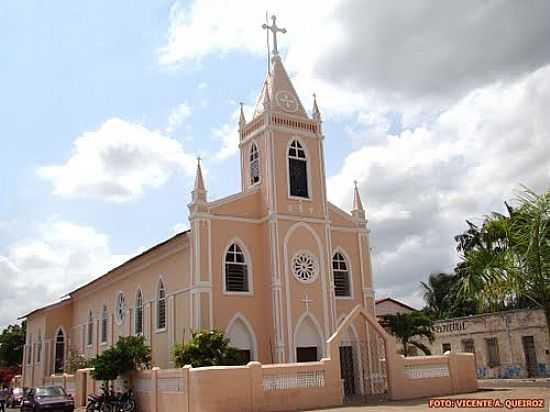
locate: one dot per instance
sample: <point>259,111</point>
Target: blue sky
<point>418,133</point>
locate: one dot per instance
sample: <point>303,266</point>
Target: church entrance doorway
<point>363,363</point>
<point>307,340</point>
<point>347,370</point>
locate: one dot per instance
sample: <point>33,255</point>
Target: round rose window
<point>304,267</point>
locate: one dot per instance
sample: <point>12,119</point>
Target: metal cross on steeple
<point>274,29</point>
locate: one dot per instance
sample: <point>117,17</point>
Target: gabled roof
<point>61,302</point>
<point>66,298</point>
<point>139,256</point>
<point>404,305</point>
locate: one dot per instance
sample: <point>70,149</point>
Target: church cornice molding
<point>111,278</point>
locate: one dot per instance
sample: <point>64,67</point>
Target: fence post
<point>79,388</point>
<point>256,386</point>
<point>154,389</point>
<point>185,377</point>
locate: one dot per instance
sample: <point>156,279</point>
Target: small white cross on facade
<point>274,29</point>
<point>307,301</point>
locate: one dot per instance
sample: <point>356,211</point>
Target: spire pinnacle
<point>315,111</point>
<point>358,212</point>
<point>199,190</point>
<point>357,204</point>
<point>267,100</point>
<point>242,119</point>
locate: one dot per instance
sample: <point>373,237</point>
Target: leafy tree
<point>437,294</point>
<point>130,353</point>
<point>206,348</point>
<point>408,327</point>
<point>12,341</point>
<point>442,297</point>
<point>517,270</point>
<point>76,361</point>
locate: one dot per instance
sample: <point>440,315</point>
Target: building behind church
<point>509,344</point>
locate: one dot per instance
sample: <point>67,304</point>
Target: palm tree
<point>518,267</point>
<point>406,326</point>
<point>436,294</point>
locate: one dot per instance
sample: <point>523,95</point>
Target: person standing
<point>3,397</point>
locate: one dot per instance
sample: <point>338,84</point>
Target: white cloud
<point>228,133</point>
<point>359,55</point>
<point>202,85</point>
<point>39,270</point>
<point>177,116</point>
<point>421,185</point>
<point>179,227</point>
<point>117,162</point>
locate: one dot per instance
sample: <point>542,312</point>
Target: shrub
<point>207,348</point>
<point>130,353</point>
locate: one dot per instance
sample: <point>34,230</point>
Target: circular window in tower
<point>120,308</point>
<point>305,267</point>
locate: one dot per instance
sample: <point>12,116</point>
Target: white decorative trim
<point>426,371</point>
<point>250,272</point>
<point>299,380</point>
<point>248,325</point>
<point>314,261</point>
<point>322,258</point>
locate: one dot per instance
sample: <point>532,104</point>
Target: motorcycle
<point>96,403</point>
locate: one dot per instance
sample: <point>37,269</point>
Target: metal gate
<point>363,368</point>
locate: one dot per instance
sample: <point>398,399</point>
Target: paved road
<point>421,405</point>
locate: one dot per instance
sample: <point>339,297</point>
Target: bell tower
<point>282,146</point>
<point>282,156</point>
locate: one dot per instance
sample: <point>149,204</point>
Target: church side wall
<point>171,264</point>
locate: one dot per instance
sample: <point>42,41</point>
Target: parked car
<point>47,398</point>
<point>15,397</point>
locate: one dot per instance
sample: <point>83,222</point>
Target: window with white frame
<point>254,164</point>
<point>236,270</point>
<point>161,306</point>
<point>138,316</point>
<point>29,350</point>
<point>120,308</point>
<point>340,270</point>
<point>104,324</point>
<point>297,170</point>
<point>39,348</point>
<point>90,334</point>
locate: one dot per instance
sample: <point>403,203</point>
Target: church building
<point>275,266</point>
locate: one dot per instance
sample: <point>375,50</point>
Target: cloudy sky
<point>439,109</point>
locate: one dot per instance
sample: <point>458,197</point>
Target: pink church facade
<point>275,266</point>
